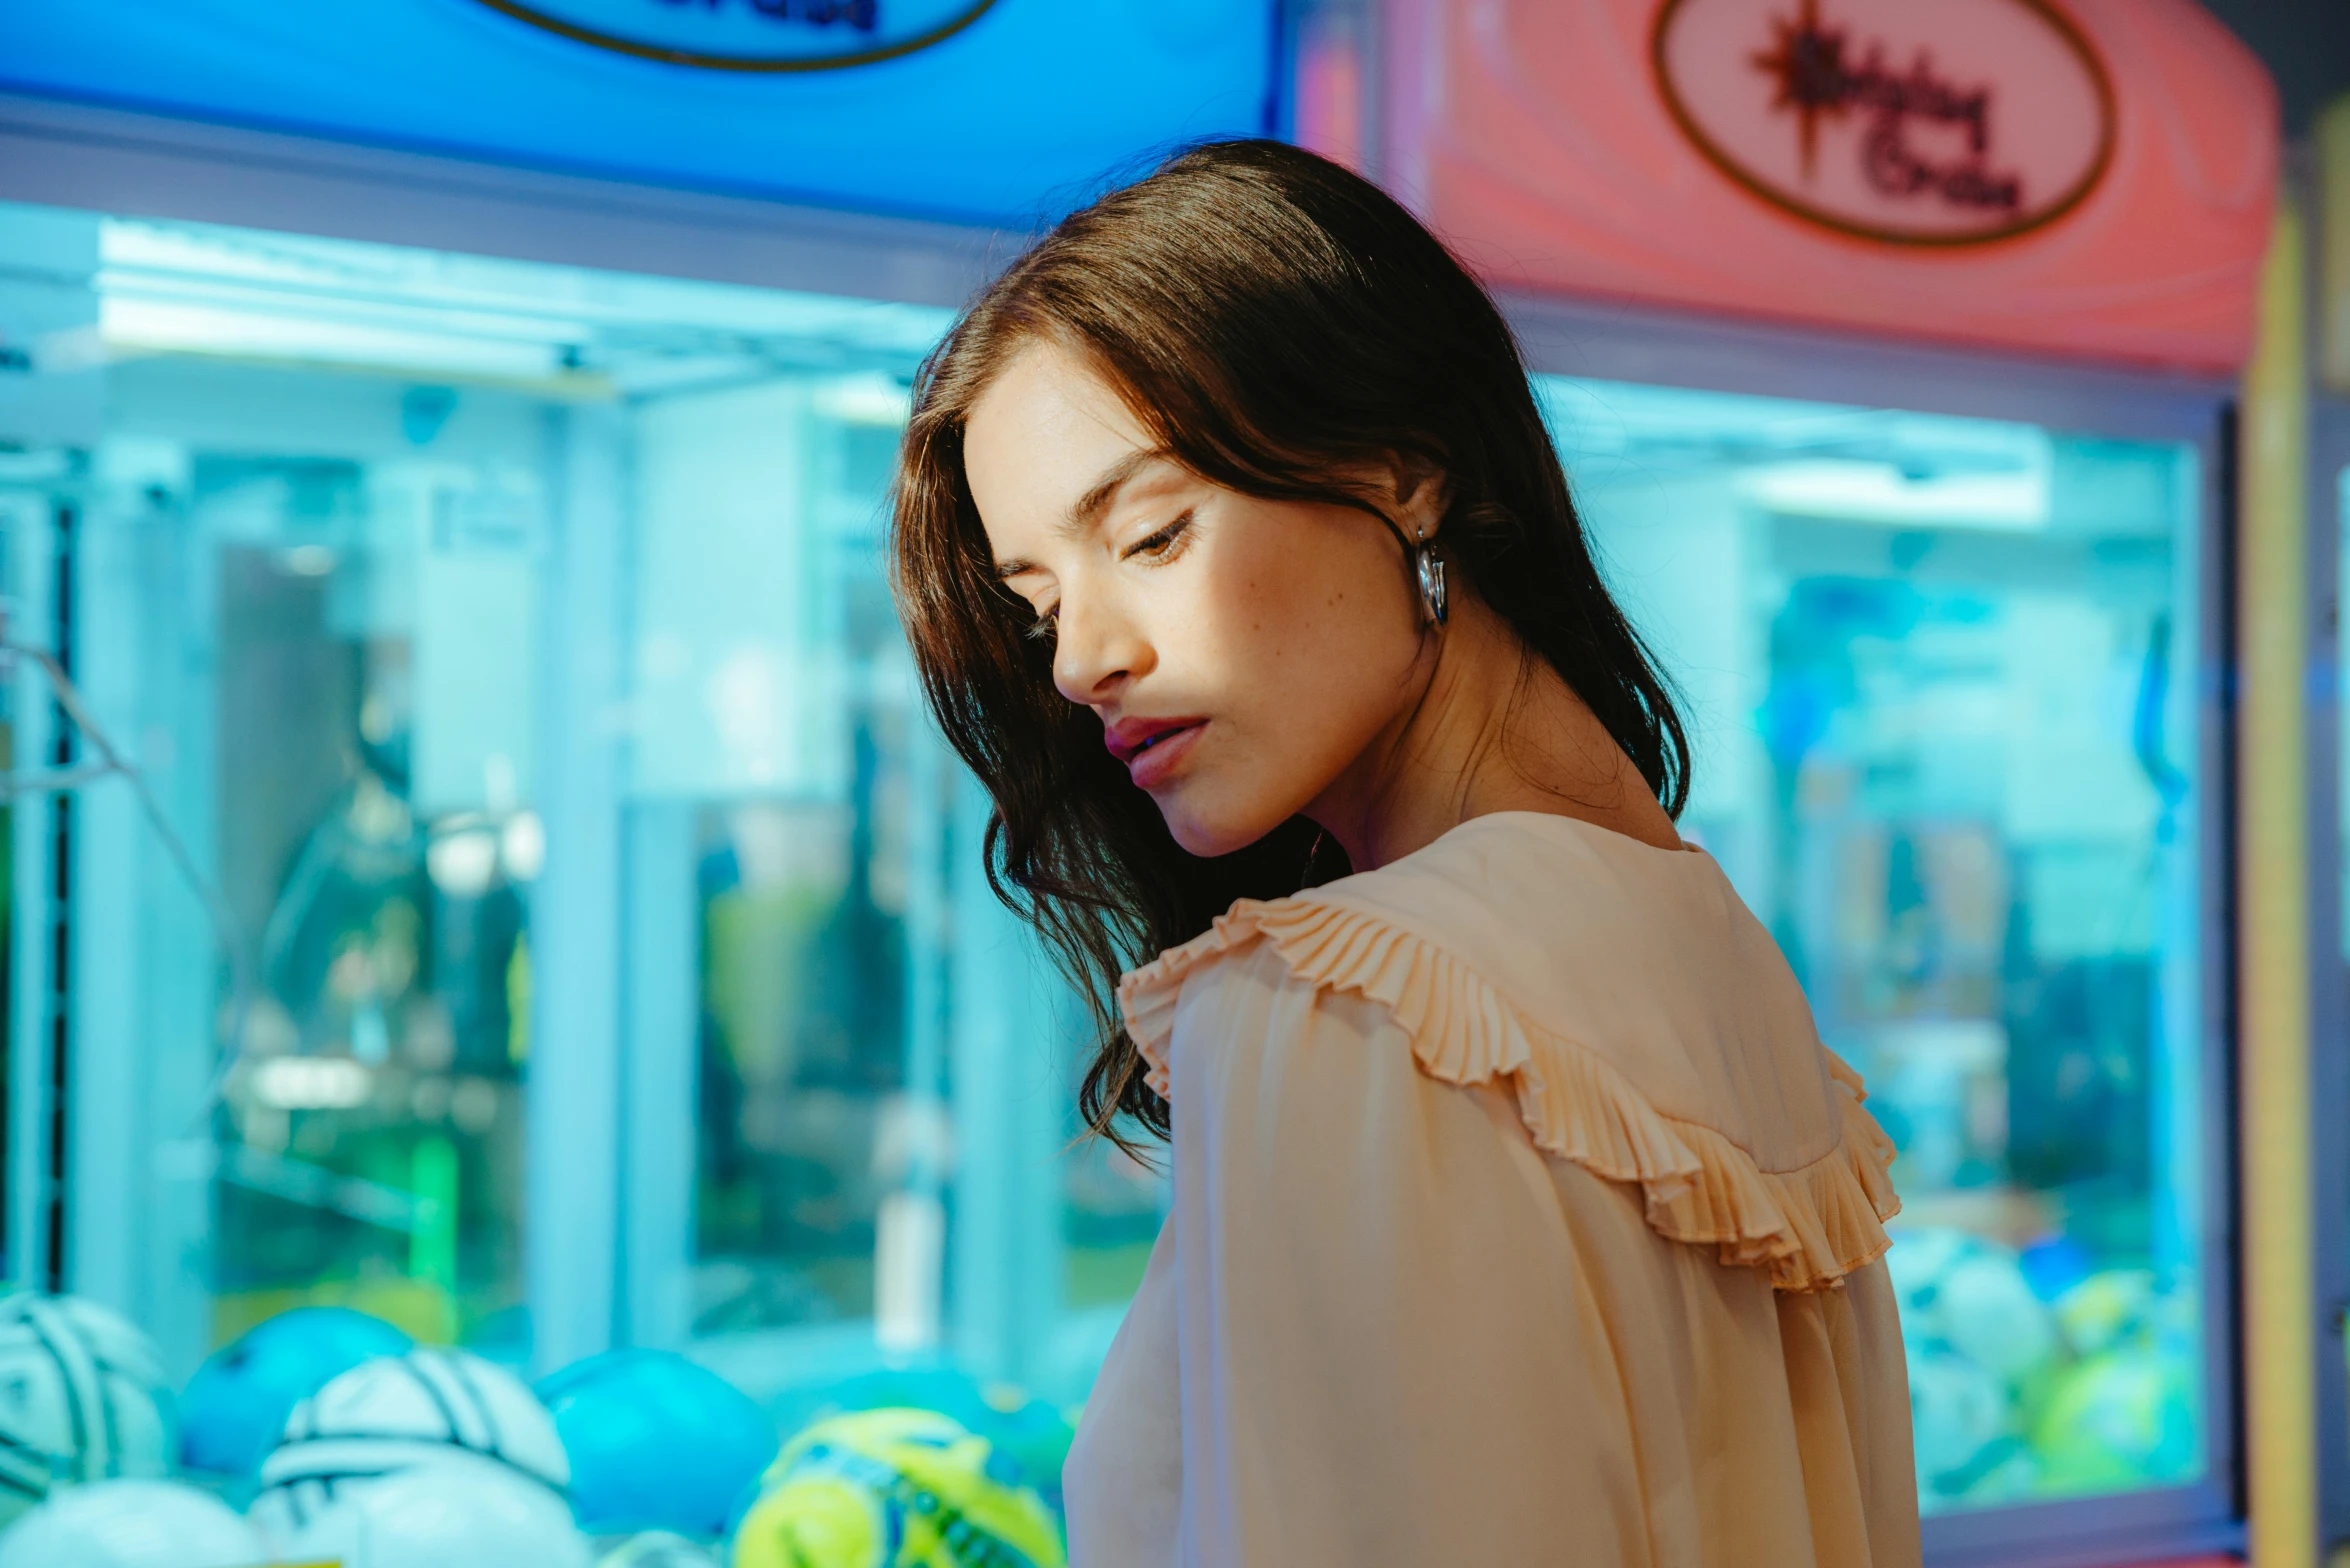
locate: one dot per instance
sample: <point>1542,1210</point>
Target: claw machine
<point>477,857</point>
<point>1893,353</point>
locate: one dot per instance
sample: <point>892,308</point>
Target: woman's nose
<point>1096,650</point>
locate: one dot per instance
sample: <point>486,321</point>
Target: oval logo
<point>752,35</point>
<point>1951,123</point>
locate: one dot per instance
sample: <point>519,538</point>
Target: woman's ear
<point>1423,492</point>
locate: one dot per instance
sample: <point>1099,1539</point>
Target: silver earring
<point>1431,574</point>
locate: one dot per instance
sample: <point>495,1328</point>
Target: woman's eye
<point>1041,629</point>
<point>1162,543</point>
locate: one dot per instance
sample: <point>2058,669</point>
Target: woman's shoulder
<point>1557,915</point>
<point>1646,1023</point>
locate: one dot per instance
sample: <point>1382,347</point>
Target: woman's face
<point>1243,655</point>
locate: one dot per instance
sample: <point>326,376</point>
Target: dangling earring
<point>1430,571</point>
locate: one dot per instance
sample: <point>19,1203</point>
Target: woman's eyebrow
<point>1088,508</point>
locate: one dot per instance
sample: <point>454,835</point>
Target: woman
<point>1520,1216</point>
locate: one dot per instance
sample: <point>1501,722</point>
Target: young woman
<point>1520,1216</point>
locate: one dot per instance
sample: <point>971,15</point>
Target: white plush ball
<point>131,1524</point>
<point>659,1549</point>
<point>1920,1256</point>
<point>1988,1312</point>
<point>1957,1410</point>
<point>82,1398</point>
<point>453,1511</point>
<point>1969,1296</point>
<point>386,1415</point>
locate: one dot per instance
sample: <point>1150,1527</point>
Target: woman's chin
<point>1209,828</point>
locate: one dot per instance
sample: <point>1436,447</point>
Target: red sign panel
<point>2088,178</point>
<point>1867,119</point>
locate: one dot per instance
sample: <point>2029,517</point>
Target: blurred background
<point>476,857</point>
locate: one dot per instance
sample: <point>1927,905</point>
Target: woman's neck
<point>1493,728</point>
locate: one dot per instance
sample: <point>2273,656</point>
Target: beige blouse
<point>1520,1218</point>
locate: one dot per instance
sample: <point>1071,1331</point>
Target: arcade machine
<point>1892,351</point>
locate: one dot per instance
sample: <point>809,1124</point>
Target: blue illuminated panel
<point>993,112</point>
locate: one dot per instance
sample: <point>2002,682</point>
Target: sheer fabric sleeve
<point>1389,1352</point>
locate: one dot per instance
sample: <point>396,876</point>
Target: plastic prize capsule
<point>236,1405</point>
<point>895,1489</point>
<point>657,1442</point>
<point>82,1398</point>
<point>395,1412</point>
<point>455,1511</point>
<point>132,1524</point>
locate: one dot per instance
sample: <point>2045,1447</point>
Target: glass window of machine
<point>324,556</point>
<point>1945,734</point>
<point>338,495</point>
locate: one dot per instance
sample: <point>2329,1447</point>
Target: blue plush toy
<point>236,1405</point>
<point>657,1442</point>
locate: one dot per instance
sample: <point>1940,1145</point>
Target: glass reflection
<point>372,1128</point>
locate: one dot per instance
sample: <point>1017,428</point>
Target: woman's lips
<point>1152,752</point>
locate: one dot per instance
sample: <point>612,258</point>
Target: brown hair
<point>1272,319</point>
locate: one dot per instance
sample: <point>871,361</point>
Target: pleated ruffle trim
<point>1807,1227</point>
